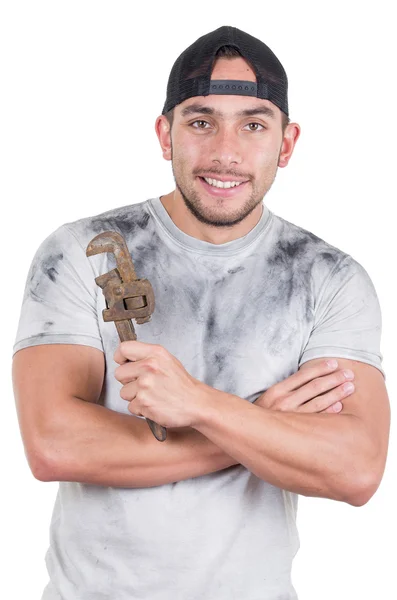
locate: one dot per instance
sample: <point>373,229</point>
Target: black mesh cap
<point>191,73</point>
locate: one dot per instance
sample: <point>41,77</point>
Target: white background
<point>82,84</point>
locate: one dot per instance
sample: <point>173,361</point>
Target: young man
<point>236,362</point>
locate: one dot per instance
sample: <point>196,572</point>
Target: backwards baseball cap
<point>191,73</point>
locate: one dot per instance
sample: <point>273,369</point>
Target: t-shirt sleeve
<point>347,317</point>
<point>60,299</point>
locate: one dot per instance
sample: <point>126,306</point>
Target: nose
<point>225,149</point>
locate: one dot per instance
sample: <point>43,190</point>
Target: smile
<point>222,184</point>
<point>222,189</point>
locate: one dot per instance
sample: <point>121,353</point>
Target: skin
<point>338,456</point>
<point>230,147</point>
<point>180,400</point>
<point>103,447</point>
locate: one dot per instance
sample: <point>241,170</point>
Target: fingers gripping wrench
<point>127,297</point>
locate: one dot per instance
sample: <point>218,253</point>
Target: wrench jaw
<point>112,277</point>
<point>126,296</point>
<point>132,300</point>
<point>112,241</point>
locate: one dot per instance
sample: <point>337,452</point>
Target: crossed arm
<point>326,455</point>
<point>69,437</point>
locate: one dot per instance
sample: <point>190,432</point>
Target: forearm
<point>293,451</point>
<point>104,447</point>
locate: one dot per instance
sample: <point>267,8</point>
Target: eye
<point>255,126</point>
<point>200,124</point>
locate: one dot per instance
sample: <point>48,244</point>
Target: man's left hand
<point>157,386</point>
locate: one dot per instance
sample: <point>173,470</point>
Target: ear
<point>291,135</point>
<point>163,132</point>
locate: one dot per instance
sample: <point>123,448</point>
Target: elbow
<point>360,481</point>
<point>362,495</point>
<point>353,485</point>
<point>42,473</point>
<point>40,466</point>
<point>369,479</point>
<point>365,487</point>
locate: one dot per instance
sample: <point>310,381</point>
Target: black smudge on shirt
<point>236,270</point>
<point>49,265</point>
<point>219,360</point>
<point>194,299</point>
<point>130,222</point>
<point>218,336</point>
<point>288,295</point>
<point>123,220</point>
<point>291,265</point>
<point>43,268</point>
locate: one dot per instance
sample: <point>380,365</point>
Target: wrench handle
<point>126,332</point>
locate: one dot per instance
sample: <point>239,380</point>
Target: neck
<point>204,225</point>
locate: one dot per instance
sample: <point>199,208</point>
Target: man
<point>261,358</point>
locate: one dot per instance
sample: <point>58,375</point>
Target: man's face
<point>227,139</point>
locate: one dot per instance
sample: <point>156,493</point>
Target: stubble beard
<point>213,217</point>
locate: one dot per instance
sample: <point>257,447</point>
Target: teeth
<point>222,184</point>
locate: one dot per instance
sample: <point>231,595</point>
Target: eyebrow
<point>207,110</point>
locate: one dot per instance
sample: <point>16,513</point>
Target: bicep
<point>45,377</point>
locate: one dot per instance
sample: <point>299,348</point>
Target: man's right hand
<point>315,389</point>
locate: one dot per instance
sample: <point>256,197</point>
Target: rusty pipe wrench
<point>127,297</point>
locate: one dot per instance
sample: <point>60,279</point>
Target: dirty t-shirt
<point>240,316</point>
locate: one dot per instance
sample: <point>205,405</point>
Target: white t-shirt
<point>240,316</point>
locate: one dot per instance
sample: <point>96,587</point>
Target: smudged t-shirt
<point>240,316</point>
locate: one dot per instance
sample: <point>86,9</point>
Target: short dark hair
<point>230,52</point>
